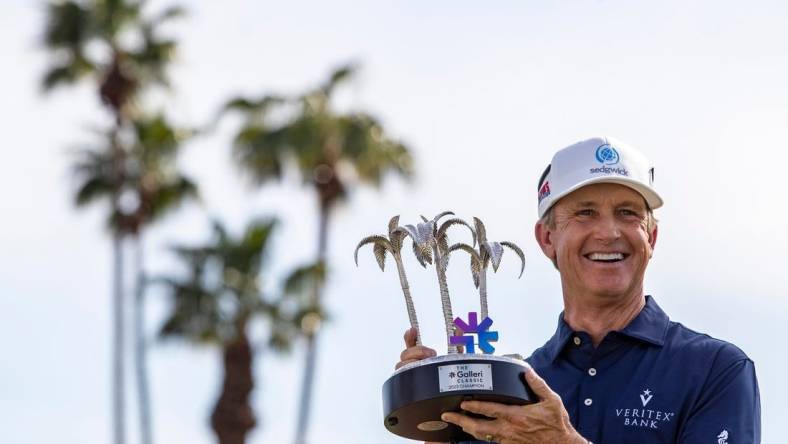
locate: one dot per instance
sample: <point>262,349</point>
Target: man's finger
<point>488,409</point>
<point>417,352</point>
<point>460,347</point>
<point>539,386</point>
<point>410,337</point>
<point>479,428</point>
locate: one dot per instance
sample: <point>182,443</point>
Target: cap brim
<point>653,199</point>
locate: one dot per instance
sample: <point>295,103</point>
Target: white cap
<point>596,160</point>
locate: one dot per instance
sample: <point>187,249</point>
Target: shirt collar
<point>650,325</point>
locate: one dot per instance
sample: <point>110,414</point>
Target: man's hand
<point>544,422</point>
<point>413,352</point>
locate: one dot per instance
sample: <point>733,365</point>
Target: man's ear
<point>652,238</point>
<point>544,236</point>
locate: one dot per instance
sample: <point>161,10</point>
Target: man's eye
<point>626,212</point>
<point>585,212</point>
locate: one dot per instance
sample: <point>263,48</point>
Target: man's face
<point>600,241</point>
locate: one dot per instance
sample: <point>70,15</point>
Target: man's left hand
<point>544,422</point>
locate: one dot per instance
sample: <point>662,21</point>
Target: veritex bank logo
<point>644,417</point>
<point>608,156</point>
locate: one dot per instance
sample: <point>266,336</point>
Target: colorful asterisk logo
<point>481,331</point>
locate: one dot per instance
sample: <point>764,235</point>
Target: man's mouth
<point>606,257</point>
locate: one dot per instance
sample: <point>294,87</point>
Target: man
<point>617,370</point>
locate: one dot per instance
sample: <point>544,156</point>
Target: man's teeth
<point>606,256</point>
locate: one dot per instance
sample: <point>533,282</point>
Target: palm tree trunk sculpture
<point>393,245</point>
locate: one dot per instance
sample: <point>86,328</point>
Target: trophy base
<point>416,395</point>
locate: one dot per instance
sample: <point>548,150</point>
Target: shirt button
<point>577,340</point>
<point>588,401</point>
<point>592,371</point>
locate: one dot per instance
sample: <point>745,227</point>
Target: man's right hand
<point>413,352</point>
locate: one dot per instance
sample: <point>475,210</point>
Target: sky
<point>483,95</point>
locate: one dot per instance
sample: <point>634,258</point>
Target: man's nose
<point>607,229</point>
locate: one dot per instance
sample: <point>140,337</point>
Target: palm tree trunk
<point>403,280</point>
<point>118,327</point>
<point>232,417</point>
<point>140,348</point>
<point>483,292</point>
<point>118,299</point>
<point>310,360</point>
<point>448,317</point>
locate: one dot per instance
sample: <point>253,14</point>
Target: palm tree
<point>121,72</point>
<point>216,303</point>
<point>393,245</point>
<point>431,240</point>
<point>489,252</point>
<point>332,151</point>
<point>151,188</point>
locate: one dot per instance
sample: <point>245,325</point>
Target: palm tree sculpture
<point>431,240</point>
<point>489,252</point>
<point>332,151</point>
<point>216,303</point>
<point>393,245</point>
<point>122,72</point>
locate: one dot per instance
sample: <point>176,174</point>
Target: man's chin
<point>611,291</point>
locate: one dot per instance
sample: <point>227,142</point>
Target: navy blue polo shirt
<point>655,381</point>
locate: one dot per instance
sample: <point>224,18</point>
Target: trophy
<point>416,395</point>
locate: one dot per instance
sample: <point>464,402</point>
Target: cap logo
<point>607,155</point>
<point>544,191</point>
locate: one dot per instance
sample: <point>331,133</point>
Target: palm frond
<point>455,221</point>
<point>395,237</point>
<point>494,252</point>
<point>380,254</point>
<point>303,278</point>
<point>440,215</point>
<point>93,189</point>
<point>374,239</point>
<point>339,76</point>
<point>421,243</point>
<point>519,252</point>
<point>68,26</point>
<point>481,232</point>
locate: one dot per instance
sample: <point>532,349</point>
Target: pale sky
<point>483,95</point>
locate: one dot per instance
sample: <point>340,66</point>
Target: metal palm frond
<point>395,237</point>
<point>440,215</point>
<point>519,252</point>
<point>493,251</point>
<point>381,246</point>
<point>455,221</point>
<point>481,232</point>
<point>422,238</point>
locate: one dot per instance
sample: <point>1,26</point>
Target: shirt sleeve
<point>728,411</point>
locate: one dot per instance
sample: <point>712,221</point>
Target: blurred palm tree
<point>114,45</point>
<point>332,151</point>
<point>150,189</point>
<point>216,303</point>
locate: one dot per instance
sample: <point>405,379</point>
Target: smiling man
<point>617,370</point>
